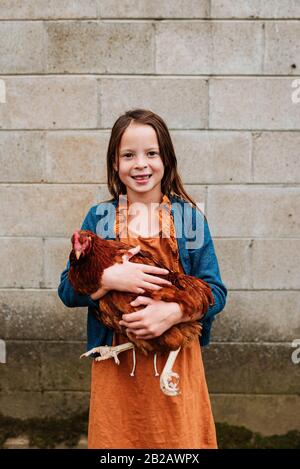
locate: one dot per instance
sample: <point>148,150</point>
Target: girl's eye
<point>130,155</point>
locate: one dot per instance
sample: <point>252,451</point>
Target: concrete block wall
<point>223,75</point>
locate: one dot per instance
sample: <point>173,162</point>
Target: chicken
<point>90,255</point>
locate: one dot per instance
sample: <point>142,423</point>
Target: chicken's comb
<point>76,235</point>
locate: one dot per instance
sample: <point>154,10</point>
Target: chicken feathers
<point>89,257</point>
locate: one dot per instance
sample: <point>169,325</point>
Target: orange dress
<point>131,411</point>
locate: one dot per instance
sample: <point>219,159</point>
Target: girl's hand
<point>132,277</point>
<point>153,320</point>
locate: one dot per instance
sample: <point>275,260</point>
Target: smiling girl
<point>128,409</point>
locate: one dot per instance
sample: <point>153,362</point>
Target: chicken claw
<point>168,380</point>
<point>108,352</point>
<point>167,385</point>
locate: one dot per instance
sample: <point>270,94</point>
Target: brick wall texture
<point>225,76</point>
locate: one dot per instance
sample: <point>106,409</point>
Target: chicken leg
<point>108,352</point>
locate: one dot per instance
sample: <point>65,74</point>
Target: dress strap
<point>155,363</point>
<point>134,362</point>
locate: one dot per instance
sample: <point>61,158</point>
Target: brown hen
<point>89,257</point>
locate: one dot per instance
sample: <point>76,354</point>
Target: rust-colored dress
<point>131,411</point>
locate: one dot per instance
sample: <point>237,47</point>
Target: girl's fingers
<point>139,333</point>
<point>141,300</point>
<point>134,250</point>
<point>156,280</point>
<point>132,325</point>
<point>130,253</point>
<point>126,257</point>
<point>151,269</point>
<point>128,322</point>
<point>132,317</point>
<point>150,286</point>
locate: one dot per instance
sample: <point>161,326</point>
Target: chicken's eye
<point>82,240</point>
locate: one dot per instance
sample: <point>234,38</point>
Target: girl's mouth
<point>143,178</point>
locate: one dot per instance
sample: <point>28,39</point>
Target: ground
<point>71,432</point>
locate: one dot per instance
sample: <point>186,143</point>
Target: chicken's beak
<point>77,254</point>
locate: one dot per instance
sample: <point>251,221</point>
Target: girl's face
<point>139,165</point>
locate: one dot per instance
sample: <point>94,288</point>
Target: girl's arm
<point>131,277</point>
<point>204,265</point>
<point>156,317</point>
<point>122,277</point>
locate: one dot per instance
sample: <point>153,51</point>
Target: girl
<point>127,407</point>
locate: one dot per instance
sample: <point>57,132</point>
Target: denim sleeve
<point>205,266</point>
<point>65,290</point>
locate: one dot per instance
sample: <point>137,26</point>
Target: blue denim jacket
<point>196,253</point>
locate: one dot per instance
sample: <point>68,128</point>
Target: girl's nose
<point>140,162</point>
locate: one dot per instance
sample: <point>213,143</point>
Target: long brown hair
<point>171,182</point>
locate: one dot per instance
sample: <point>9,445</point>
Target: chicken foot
<point>108,351</point>
<point>169,387</point>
